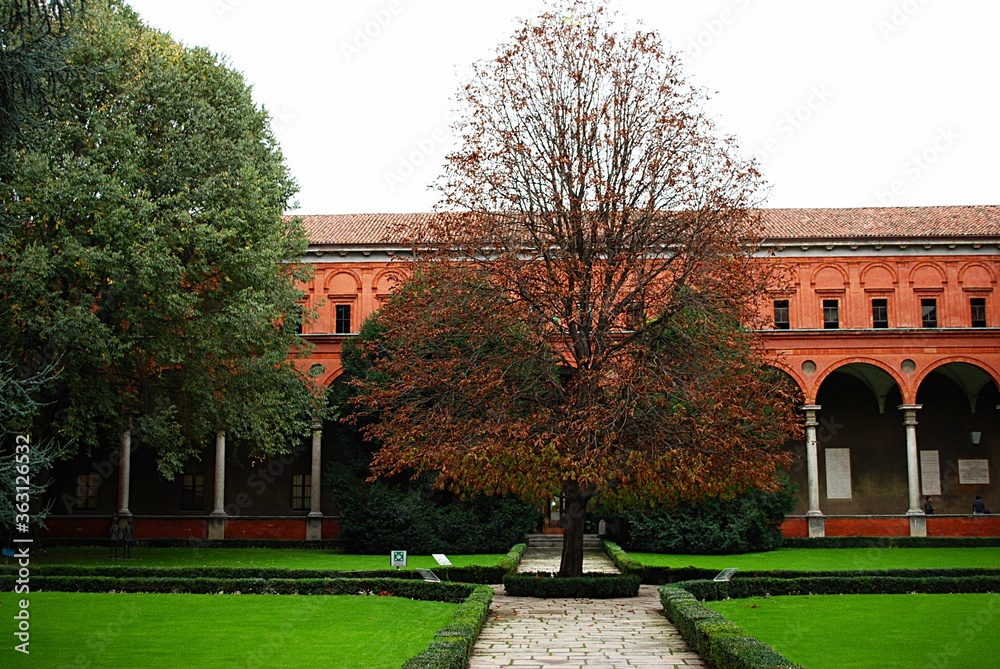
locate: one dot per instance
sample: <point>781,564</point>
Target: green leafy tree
<point>32,36</point>
<point>148,260</point>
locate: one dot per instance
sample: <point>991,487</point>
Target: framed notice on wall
<point>930,473</point>
<point>838,473</point>
<point>973,472</point>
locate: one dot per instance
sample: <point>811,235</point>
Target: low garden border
<point>727,646</point>
<point>450,649</point>
<point>591,586</point>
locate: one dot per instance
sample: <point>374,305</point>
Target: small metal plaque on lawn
<point>442,559</point>
<point>397,559</point>
<point>429,575</point>
<point>726,574</point>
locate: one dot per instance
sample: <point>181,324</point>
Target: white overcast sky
<point>847,103</point>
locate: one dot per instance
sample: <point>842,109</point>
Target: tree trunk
<point>577,497</point>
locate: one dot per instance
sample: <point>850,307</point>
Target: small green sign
<point>398,558</point>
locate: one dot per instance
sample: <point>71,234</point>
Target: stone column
<point>217,519</point>
<point>314,521</point>
<point>918,522</point>
<point>817,525</point>
<point>124,472</point>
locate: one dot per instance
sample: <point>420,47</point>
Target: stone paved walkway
<point>534,633</point>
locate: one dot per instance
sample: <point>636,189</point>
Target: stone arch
<point>342,282</point>
<point>791,373</point>
<point>879,276</point>
<point>976,275</point>
<point>386,281</point>
<point>927,275</point>
<point>829,277</point>
<point>969,374</point>
<point>879,377</point>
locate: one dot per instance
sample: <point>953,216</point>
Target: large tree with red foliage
<point>573,325</point>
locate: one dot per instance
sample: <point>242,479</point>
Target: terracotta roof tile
<point>778,224</point>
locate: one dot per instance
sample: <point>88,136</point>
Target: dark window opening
<point>301,491</point>
<point>342,319</point>
<point>880,313</point>
<point>193,492</point>
<point>781,321</point>
<point>928,313</point>
<point>831,314</point>
<point>978,306</point>
<point>86,490</point>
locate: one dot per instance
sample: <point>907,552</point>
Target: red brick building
<point>886,318</point>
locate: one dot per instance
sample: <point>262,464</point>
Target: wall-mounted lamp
<point>976,437</point>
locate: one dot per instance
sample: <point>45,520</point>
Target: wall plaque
<point>973,472</point>
<point>930,473</point>
<point>838,473</point>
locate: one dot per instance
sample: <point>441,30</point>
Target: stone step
<point>556,541</point>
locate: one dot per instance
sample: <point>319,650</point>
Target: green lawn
<point>833,559</point>
<point>209,631</point>
<point>885,631</point>
<point>288,558</point>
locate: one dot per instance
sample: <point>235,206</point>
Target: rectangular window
<point>978,306</point>
<point>928,313</point>
<point>831,314</point>
<point>880,313</point>
<point>342,319</point>
<point>86,490</point>
<point>193,492</point>
<point>781,315</point>
<point>301,491</point>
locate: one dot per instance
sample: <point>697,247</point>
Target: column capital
<point>910,413</point>
<point>317,424</point>
<point>810,412</point>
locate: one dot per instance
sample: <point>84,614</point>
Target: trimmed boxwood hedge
<point>591,586</point>
<point>720,642</point>
<point>452,645</point>
<point>410,588</point>
<point>839,585</point>
<point>726,646</point>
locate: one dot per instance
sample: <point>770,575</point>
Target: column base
<point>918,525</point>
<point>817,526</point>
<point>216,526</point>
<point>314,527</point>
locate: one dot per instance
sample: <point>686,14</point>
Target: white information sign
<point>930,473</point>
<point>974,472</point>
<point>441,559</point>
<point>838,473</point>
<point>397,559</point>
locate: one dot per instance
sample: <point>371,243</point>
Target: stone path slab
<point>531,633</point>
<point>539,633</point>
